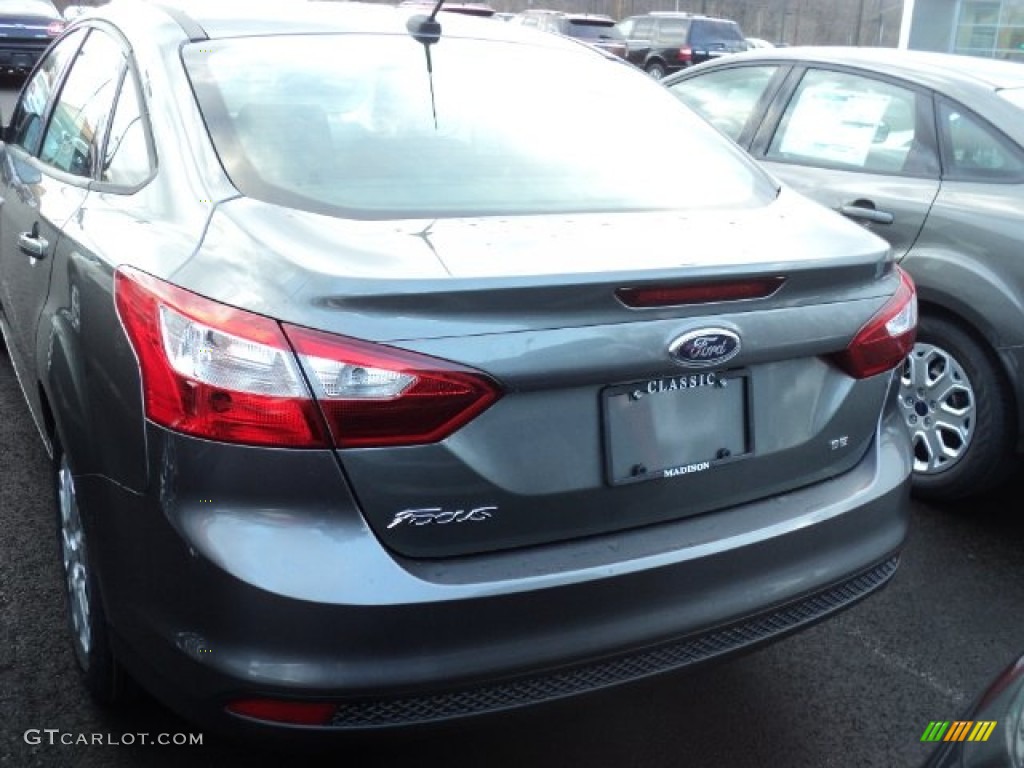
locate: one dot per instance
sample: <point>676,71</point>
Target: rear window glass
<point>357,125</point>
<point>712,31</point>
<point>592,30</point>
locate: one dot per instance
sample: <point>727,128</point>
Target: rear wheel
<point>655,69</point>
<point>959,409</point>
<point>103,676</point>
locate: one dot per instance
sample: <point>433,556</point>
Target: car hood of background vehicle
<point>304,268</point>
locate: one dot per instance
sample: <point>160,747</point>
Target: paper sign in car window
<point>834,126</point>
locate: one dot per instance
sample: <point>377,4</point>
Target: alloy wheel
<point>76,563</point>
<point>939,407</point>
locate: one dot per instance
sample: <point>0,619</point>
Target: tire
<point>655,69</point>
<point>959,408</point>
<point>103,676</point>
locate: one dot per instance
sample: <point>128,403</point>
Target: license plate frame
<point>652,430</point>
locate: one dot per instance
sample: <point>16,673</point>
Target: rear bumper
<point>297,599</point>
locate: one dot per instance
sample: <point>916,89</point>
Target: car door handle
<point>32,244</point>
<point>860,212</point>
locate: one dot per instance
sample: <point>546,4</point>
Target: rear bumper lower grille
<point>719,642</point>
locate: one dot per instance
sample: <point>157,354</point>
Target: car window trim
<point>54,96</point>
<point>119,42</point>
<point>949,172</point>
<point>762,106</point>
<point>129,65</point>
<point>925,117</point>
<point>135,82</point>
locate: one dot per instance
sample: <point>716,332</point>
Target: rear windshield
<point>356,125</point>
<point>589,29</point>
<point>715,31</point>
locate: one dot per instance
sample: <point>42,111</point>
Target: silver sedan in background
<point>926,150</point>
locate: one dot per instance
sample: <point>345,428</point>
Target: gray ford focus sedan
<point>373,400</point>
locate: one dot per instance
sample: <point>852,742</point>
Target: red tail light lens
<point>685,54</point>
<point>54,28</point>
<point>374,395</point>
<point>215,371</point>
<point>887,338</point>
<point>281,711</point>
<point>221,373</point>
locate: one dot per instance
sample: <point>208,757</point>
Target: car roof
<point>593,18</point>
<point>928,68</point>
<point>207,20</point>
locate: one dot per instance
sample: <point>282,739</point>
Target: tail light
<point>685,54</point>
<point>221,373</point>
<point>284,711</point>
<point>887,338</point>
<point>374,395</point>
<point>54,28</point>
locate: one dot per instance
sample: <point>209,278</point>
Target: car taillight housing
<point>685,54</point>
<point>221,373</point>
<point>887,338</point>
<point>54,28</point>
<point>373,395</point>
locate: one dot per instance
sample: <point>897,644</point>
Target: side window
<point>74,134</point>
<point>726,97</point>
<point>27,119</point>
<point>643,29</point>
<point>671,32</point>
<point>973,150</point>
<point>126,159</point>
<point>856,123</point>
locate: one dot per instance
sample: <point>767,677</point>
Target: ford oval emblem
<point>705,347</point>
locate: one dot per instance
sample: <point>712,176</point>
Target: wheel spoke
<point>939,407</point>
<point>75,561</point>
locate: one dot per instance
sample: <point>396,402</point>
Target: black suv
<point>661,43</point>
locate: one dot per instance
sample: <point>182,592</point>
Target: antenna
<point>427,30</point>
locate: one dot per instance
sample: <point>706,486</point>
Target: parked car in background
<point>665,42</point>
<point>27,27</point>
<point>926,150</point>
<point>373,399</point>
<point>593,28</point>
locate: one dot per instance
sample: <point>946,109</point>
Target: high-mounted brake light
<point>225,374</point>
<point>668,295</point>
<point>887,338</point>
